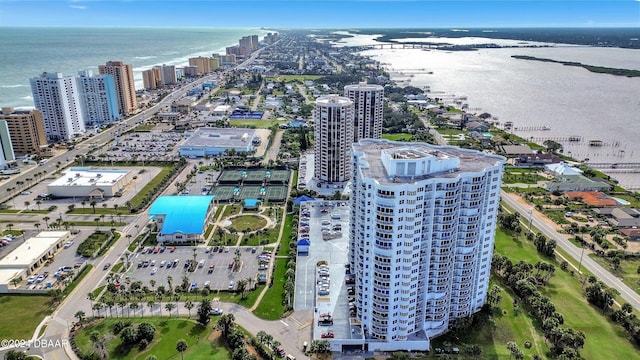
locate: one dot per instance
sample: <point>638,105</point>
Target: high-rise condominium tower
<point>26,130</point>
<point>125,87</point>
<point>333,132</point>
<point>422,231</point>
<point>57,98</point>
<point>98,98</point>
<point>368,101</point>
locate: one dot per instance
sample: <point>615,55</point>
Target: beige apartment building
<point>152,79</point>
<point>333,135</point>
<point>125,86</point>
<point>202,63</point>
<point>26,130</point>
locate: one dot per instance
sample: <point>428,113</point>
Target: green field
<point>564,290</point>
<point>397,137</point>
<point>168,332</point>
<point>290,78</point>
<point>248,223</point>
<point>21,314</point>
<point>270,308</point>
<point>259,124</point>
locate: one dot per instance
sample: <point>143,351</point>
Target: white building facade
<point>98,98</point>
<point>421,240</point>
<point>333,132</point>
<point>57,98</point>
<point>368,103</point>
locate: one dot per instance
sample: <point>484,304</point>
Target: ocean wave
<point>29,97</point>
<point>144,57</point>
<point>13,86</point>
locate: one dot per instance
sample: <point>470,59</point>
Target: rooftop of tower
<point>399,162</point>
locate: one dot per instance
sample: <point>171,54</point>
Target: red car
<point>327,335</point>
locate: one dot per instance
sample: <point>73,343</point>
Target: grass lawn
<point>271,307</point>
<point>506,326</point>
<point>628,271</point>
<point>144,128</point>
<point>235,297</point>
<point>96,292</point>
<point>564,290</point>
<point>286,234</point>
<point>21,314</point>
<point>259,124</point>
<point>92,244</point>
<point>163,346</point>
<point>246,223</point>
<point>397,137</point>
<point>290,78</point>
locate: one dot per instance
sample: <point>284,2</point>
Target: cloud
<point>79,7</point>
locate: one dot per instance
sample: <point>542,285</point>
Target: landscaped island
<point>595,69</point>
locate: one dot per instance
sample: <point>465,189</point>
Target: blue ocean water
<point>26,52</point>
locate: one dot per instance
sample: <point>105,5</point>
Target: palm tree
<point>242,286</point>
<point>189,305</point>
<point>93,205</point>
<point>38,202</point>
<point>181,346</point>
<point>169,307</point>
<point>225,324</point>
<point>37,225</point>
<point>151,304</point>
<point>80,315</point>
<point>261,336</point>
<point>26,204</point>
<point>46,221</point>
<point>134,306</point>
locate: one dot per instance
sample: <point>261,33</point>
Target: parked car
<point>231,285</point>
<point>216,311</point>
<point>327,335</point>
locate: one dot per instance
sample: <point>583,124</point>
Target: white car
<point>68,244</point>
<point>154,271</point>
<point>216,311</point>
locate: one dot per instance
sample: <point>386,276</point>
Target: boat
<point>546,127</point>
<point>595,143</point>
<point>575,138</point>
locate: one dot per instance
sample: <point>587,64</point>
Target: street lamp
<point>530,218</point>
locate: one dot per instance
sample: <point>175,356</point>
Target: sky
<point>321,14</point>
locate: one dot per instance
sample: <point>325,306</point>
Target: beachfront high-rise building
<point>26,130</point>
<point>57,98</point>
<point>202,63</point>
<point>125,87</point>
<point>368,102</point>
<point>98,98</point>
<point>7,156</point>
<point>423,222</point>
<point>152,78</point>
<point>333,136</point>
<point>168,74</point>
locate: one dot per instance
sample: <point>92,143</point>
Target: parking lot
<point>219,278</point>
<point>35,202</point>
<point>325,216</point>
<point>142,145</point>
<point>65,257</point>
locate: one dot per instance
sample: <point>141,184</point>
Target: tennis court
<point>222,193</point>
<point>279,176</point>
<point>255,176</point>
<point>230,177</point>
<point>250,192</point>
<point>275,193</point>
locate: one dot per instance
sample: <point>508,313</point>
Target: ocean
<point>26,52</point>
<point>571,101</point>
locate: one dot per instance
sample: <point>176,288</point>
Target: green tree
<point>182,346</point>
<point>128,335</point>
<point>203,312</point>
<point>15,355</point>
<point>146,331</point>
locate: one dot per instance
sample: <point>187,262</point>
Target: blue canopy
<point>301,199</point>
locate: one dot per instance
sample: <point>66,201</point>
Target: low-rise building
<point>217,141</point>
<point>181,219</point>
<point>89,182</point>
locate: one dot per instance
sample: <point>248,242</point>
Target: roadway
<point>527,213</point>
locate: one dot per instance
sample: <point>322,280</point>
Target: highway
<point>526,212</point>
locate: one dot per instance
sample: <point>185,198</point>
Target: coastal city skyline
<point>322,14</point>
